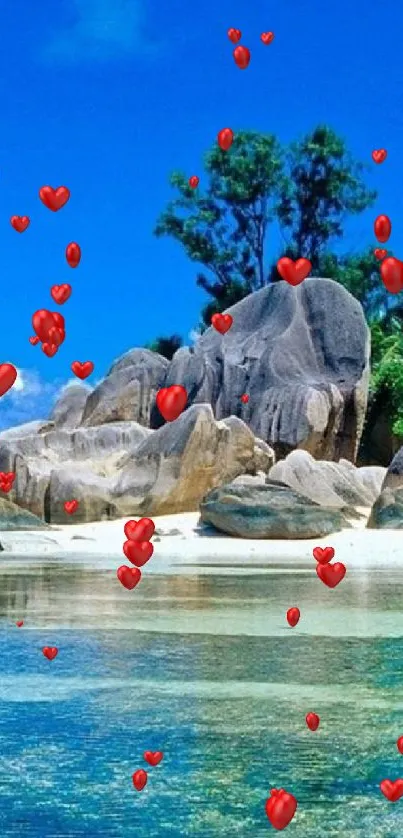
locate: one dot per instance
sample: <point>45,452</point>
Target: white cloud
<point>194,335</point>
<point>30,398</point>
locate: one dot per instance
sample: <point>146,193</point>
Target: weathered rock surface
<point>387,511</point>
<point>12,517</point>
<point>337,485</point>
<point>269,511</point>
<point>69,408</point>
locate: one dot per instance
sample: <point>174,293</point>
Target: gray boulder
<point>387,511</point>
<point>269,511</point>
<point>69,408</point>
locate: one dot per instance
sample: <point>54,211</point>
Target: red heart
<point>222,322</point>
<point>19,623</point>
<point>293,615</point>
<point>153,757</point>
<point>399,744</point>
<point>267,37</point>
<point>379,155</point>
<point>49,349</point>
<point>225,138</point>
<point>34,340</point>
<point>7,475</point>
<point>323,555</point>
<point>128,576</point>
<point>6,485</point>
<point>312,720</point>
<point>392,274</point>
<point>139,779</point>
<point>171,401</point>
<point>82,370</point>
<point>380,253</point>
<point>382,228</point>
<point>331,574</point>
<point>234,35</point>
<point>56,336</point>
<point>50,652</point>
<point>71,506</point>
<point>244,398</point>
<point>73,254</point>
<point>293,272</point>
<point>241,57</point>
<point>61,293</point>
<point>141,530</point>
<point>19,222</point>
<point>280,808</point>
<point>393,790</point>
<point>43,321</point>
<point>8,377</point>
<point>193,181</point>
<point>138,552</point>
<point>54,199</point>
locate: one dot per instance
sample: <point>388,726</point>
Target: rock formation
<point>387,511</point>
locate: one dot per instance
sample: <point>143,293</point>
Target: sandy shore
<point>181,546</point>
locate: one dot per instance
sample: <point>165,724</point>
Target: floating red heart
<point>43,321</point>
<point>222,322</point>
<point>293,615</point>
<point>393,790</point>
<point>19,623</point>
<point>171,401</point>
<point>293,272</point>
<point>267,37</point>
<point>241,57</point>
<point>153,757</point>
<point>139,779</point>
<point>382,228</point>
<point>312,720</point>
<point>234,35</point>
<point>6,481</point>
<point>399,744</point>
<point>392,274</point>
<point>54,199</point>
<point>56,336</point>
<point>8,377</point>
<point>128,576</point>
<point>138,552</point>
<point>19,222</point>
<point>141,530</point>
<point>379,155</point>
<point>50,652</point>
<point>380,253</point>
<point>323,555</point>
<point>244,398</point>
<point>73,254</point>
<point>225,138</point>
<point>82,369</point>
<point>61,293</point>
<point>193,181</point>
<point>34,340</point>
<point>280,808</point>
<point>331,574</point>
<point>49,349</point>
<point>71,506</point>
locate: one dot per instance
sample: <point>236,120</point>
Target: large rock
<point>387,511</point>
<point>12,517</point>
<point>337,485</point>
<point>269,511</point>
<point>69,408</point>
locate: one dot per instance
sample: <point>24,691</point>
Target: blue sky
<point>107,97</point>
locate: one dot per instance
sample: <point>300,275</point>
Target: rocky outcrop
<point>12,517</point>
<point>268,511</point>
<point>69,408</point>
<point>387,511</point>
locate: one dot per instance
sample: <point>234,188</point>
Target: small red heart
<point>399,744</point>
<point>331,574</point>
<point>234,35</point>
<point>267,37</point>
<point>244,398</point>
<point>141,530</point>
<point>19,623</point>
<point>73,254</point>
<point>241,57</point>
<point>71,506</point>
<point>382,228</point>
<point>171,401</point>
<point>139,779</point>
<point>153,757</point>
<point>225,138</point>
<point>128,576</point>
<point>293,615</point>
<point>293,272</point>
<point>379,155</point>
<point>49,349</point>
<point>50,652</point>
<point>312,720</point>
<point>323,555</point>
<point>392,274</point>
<point>193,181</point>
<point>61,293</point>
<point>19,222</point>
<point>34,340</point>
<point>280,808</point>
<point>380,253</point>
<point>138,552</point>
<point>222,322</point>
<point>8,377</point>
<point>82,370</point>
<point>54,199</point>
<point>393,790</point>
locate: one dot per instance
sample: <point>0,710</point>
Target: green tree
<point>166,346</point>
<point>360,274</point>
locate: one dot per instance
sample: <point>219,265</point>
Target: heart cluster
<point>6,480</point>
<point>140,776</point>
<point>138,549</point>
<point>330,574</point>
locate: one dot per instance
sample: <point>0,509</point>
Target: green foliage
<point>166,346</point>
<point>359,274</point>
<point>387,369</point>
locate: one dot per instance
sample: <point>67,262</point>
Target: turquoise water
<point>205,669</point>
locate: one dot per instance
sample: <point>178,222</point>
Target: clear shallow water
<point>205,669</point>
